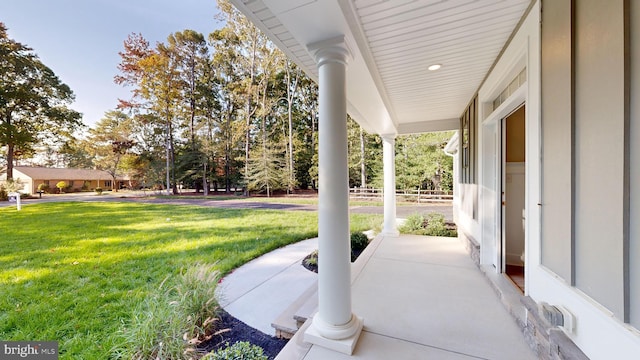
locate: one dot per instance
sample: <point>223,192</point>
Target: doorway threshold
<point>515,273</point>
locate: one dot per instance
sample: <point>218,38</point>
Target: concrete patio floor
<point>422,298</point>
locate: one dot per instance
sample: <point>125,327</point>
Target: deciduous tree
<point>34,103</point>
<point>111,139</point>
<point>421,163</point>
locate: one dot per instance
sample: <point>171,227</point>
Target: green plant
<point>436,225</point>
<point>241,350</point>
<point>414,222</point>
<point>98,190</point>
<point>43,187</point>
<point>61,185</point>
<point>375,225</point>
<point>13,185</point>
<point>312,259</point>
<point>153,322</point>
<point>359,241</point>
<point>195,293</point>
<point>176,319</point>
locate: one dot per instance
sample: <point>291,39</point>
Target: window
<point>515,84</point>
<point>107,183</point>
<point>468,122</point>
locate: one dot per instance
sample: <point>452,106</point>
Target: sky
<point>80,39</point>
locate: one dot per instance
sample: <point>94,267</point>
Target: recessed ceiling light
<point>434,67</point>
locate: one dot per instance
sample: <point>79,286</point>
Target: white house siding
<point>600,152</point>
<point>28,185</point>
<point>556,139</point>
<point>587,276</point>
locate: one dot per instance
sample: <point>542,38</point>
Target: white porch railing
<point>417,196</point>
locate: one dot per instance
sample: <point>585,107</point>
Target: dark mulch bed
<point>239,331</point>
<point>314,267</point>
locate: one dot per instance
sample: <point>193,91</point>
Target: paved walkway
<point>259,291</point>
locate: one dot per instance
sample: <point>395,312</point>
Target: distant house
<point>76,179</point>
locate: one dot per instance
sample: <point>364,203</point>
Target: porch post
<point>334,326</point>
<point>389,155</point>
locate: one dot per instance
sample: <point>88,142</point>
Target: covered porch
<point>406,67</point>
<point>422,297</point>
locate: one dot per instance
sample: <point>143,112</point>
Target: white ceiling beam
<point>428,126</point>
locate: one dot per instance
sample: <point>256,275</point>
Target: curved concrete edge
<point>259,291</point>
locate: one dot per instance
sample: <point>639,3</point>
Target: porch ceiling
<point>389,89</point>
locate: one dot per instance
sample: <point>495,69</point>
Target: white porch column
<point>334,326</point>
<point>390,227</point>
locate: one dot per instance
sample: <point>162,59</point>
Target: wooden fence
<point>417,196</point>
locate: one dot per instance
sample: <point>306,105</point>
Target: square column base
<point>344,346</point>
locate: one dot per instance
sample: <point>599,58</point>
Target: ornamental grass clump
<point>173,322</point>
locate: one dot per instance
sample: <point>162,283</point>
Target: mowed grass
<point>75,272</point>
<point>278,200</point>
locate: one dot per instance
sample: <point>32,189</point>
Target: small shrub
<point>13,185</point>
<point>241,350</point>
<point>312,259</point>
<point>98,190</point>
<point>61,185</point>
<point>359,241</point>
<point>414,223</point>
<point>436,225</point>
<point>3,194</point>
<point>43,187</point>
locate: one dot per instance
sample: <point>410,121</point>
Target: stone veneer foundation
<point>548,343</point>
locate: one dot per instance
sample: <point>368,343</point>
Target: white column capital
<point>331,50</point>
<point>390,138</point>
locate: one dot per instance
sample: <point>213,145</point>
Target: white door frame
<point>502,250</point>
<point>495,119</point>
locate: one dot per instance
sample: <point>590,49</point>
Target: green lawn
<point>74,272</point>
<point>279,200</point>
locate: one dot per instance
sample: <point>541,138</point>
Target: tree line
<point>225,111</point>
